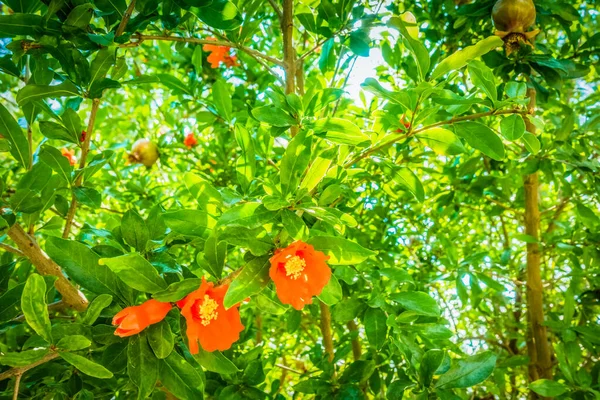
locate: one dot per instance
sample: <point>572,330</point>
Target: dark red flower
<point>207,319</point>
<point>83,134</point>
<point>133,320</point>
<point>299,272</point>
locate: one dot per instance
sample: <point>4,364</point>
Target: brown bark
<point>355,341</point>
<point>325,323</point>
<point>538,347</point>
<point>45,266</point>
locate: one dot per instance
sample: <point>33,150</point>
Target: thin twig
<point>85,148</point>
<point>289,369</point>
<point>125,19</point>
<point>276,8</point>
<point>501,204</point>
<point>11,249</point>
<point>141,38</point>
<point>21,370</point>
<point>406,135</point>
<point>17,385</point>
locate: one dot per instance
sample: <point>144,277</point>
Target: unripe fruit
<point>513,16</point>
<point>144,152</point>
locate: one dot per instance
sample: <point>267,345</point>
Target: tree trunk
<point>538,347</point>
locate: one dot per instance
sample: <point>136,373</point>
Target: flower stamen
<point>294,267</point>
<point>208,310</point>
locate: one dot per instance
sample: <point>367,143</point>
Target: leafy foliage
<point>413,184</point>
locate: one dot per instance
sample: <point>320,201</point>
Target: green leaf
<point>483,77</point>
<point>137,272</point>
<point>102,63</point>
<point>410,181</point>
<point>81,265</point>
<point>197,58</point>
<point>332,292</point>
<point>460,58</point>
<point>294,225</point>
<point>442,141</point>
<point>340,251</point>
<point>341,131</point>
<point>10,129</point>
<point>178,290</point>
<point>23,358</point>
<point>74,343</point>
<point>88,196</point>
<point>11,302</point>
<point>317,170</point>
<point>431,361</point>
<point>548,388</point>
<point>174,84</point>
<point>180,378</point>
<point>251,280</point>
<point>220,14</point>
<point>215,252</point>
<point>415,46</point>
<point>215,362</point>
<point>95,308</point>
<point>18,24</point>
<point>359,43</point>
<point>142,365</point>
<point>273,116</point>
<point>468,372</point>
<point>55,160</point>
<point>375,327</point>
<point>209,199</point>
<point>417,302</point>
<point>86,366</point>
<point>481,138</point>
<point>531,142</point>
<point>189,222</point>
<point>80,16</point>
<point>134,230</point>
<point>35,309</point>
<point>512,127</point>
<point>52,130</point>
<point>31,93</point>
<point>222,99</point>
<point>160,339</point>
<point>246,162</point>
<point>248,215</point>
<point>294,161</point>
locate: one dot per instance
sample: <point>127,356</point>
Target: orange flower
<point>207,319</point>
<point>133,320</point>
<point>219,54</point>
<point>190,141</point>
<point>299,272</point>
<point>70,154</point>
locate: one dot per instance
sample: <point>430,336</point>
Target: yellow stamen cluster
<point>294,267</point>
<point>208,310</point>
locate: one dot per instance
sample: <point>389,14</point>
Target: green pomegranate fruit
<point>513,16</point>
<point>144,152</point>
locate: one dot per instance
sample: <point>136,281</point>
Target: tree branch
<point>21,370</point>
<point>276,8</point>
<point>85,148</point>
<point>325,323</point>
<point>45,266</point>
<point>289,52</point>
<point>252,52</point>
<point>11,249</point>
<point>406,135</point>
<point>356,350</point>
<point>125,19</point>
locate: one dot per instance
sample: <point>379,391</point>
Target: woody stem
<point>326,329</point>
